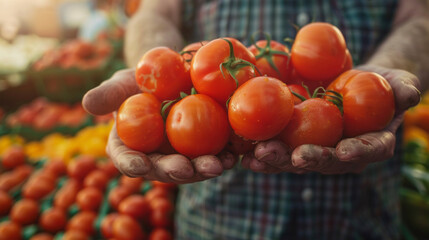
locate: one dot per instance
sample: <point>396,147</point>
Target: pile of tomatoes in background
<point>221,94</point>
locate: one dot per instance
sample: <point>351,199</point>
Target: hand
<point>173,168</point>
<point>351,154</point>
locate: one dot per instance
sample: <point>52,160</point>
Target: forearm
<point>156,23</point>
<point>407,48</point>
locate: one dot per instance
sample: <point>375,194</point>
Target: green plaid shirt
<point>242,204</point>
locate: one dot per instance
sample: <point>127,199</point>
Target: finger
<point>208,166</point>
<point>129,162</point>
<point>370,147</point>
<point>274,153</point>
<point>228,160</point>
<point>172,168</point>
<point>405,86</point>
<point>108,96</point>
<point>323,160</point>
<point>250,162</point>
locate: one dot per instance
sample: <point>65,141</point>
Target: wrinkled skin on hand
<point>173,168</point>
<point>351,155</point>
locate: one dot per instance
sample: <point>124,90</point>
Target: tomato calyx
<point>165,105</point>
<point>267,52</point>
<point>233,65</point>
<point>320,92</point>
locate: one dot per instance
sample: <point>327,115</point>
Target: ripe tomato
<point>117,194</point>
<point>125,227</point>
<point>206,73</point>
<point>167,186</point>
<point>319,52</point>
<point>9,180</point>
<point>56,167</point>
<point>25,211</point>
<point>189,50</point>
<point>160,234</point>
<point>6,203</point>
<point>13,157</point>
<point>109,168</point>
<point>164,73</point>
<point>10,230</point>
<point>135,206</point>
<point>81,166</point>
<point>75,235</point>
<point>139,123</point>
<point>295,88</point>
<point>107,225</point>
<point>157,192</point>
<point>97,179</point>
<point>66,196</point>
<point>38,187</point>
<point>42,236</point>
<point>53,220</point>
<point>134,184</point>
<point>272,59</point>
<point>260,108</point>
<point>314,121</point>
<point>89,199</point>
<point>368,101</point>
<point>197,125</point>
<point>82,221</point>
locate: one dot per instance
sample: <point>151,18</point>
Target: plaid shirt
<point>242,204</point>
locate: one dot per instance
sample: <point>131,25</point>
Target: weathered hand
<point>351,154</point>
<point>174,168</point>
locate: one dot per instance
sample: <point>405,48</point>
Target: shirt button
<point>302,19</point>
<point>307,194</point>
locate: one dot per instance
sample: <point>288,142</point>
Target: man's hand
<point>173,168</point>
<point>351,154</point>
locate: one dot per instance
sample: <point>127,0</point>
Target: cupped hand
<point>175,168</point>
<point>351,155</point>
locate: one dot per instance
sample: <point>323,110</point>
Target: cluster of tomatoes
<point>86,199</point>
<point>222,94</point>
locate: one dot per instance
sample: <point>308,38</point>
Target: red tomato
<point>10,230</point>
<point>157,192</point>
<point>109,168</point>
<point>272,59</point>
<point>189,50</point>
<point>56,167</point>
<point>160,234</point>
<point>83,221</point>
<point>13,157</point>
<point>349,62</point>
<point>139,123</point>
<point>206,73</point>
<point>319,52</point>
<point>164,73</point>
<point>53,220</point>
<point>134,184</point>
<point>135,206</point>
<point>117,194</point>
<point>168,186</point>
<point>23,172</point>
<point>89,199</point>
<point>6,203</point>
<point>25,211</point>
<point>97,179</point>
<point>107,225</point>
<point>42,236</point>
<point>125,227</point>
<point>314,121</point>
<point>81,166</point>
<point>9,180</point>
<point>368,101</point>
<point>75,235</point>
<point>299,89</point>
<point>66,196</point>
<point>38,187</point>
<point>260,108</point>
<point>161,214</point>
<point>197,125</point>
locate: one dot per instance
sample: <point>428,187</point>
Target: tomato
<point>314,121</point>
<point>206,73</point>
<point>164,73</point>
<point>299,89</point>
<point>75,235</point>
<point>56,167</point>
<point>368,101</point>
<point>42,236</point>
<point>10,230</point>
<point>161,214</point>
<point>134,184</point>
<point>53,220</point>
<point>109,168</point>
<point>125,227</point>
<point>83,221</point>
<point>9,180</point>
<point>197,125</point>
<point>117,194</point>
<point>189,50</point>
<point>25,211</point>
<point>38,187</point>
<point>349,62</point>
<point>66,196</point>
<point>107,225</point>
<point>89,199</point>
<point>97,179</point>
<point>13,156</point>
<point>139,123</point>
<point>22,172</point>
<point>319,52</point>
<point>417,116</point>
<point>81,166</point>
<point>6,203</point>
<point>260,108</point>
<point>167,186</point>
<point>135,206</point>
<point>160,234</point>
<point>272,59</point>
<point>157,192</point>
